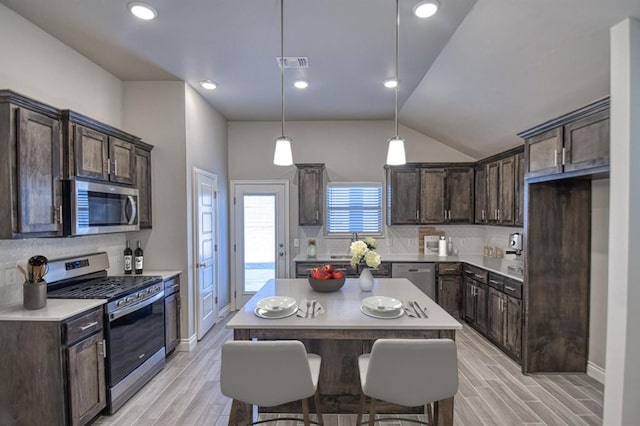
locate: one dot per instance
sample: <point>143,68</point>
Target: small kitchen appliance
<point>515,244</point>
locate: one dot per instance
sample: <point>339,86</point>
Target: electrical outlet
<point>296,242</point>
<point>11,276</point>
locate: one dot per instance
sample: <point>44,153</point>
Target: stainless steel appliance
<point>422,275</point>
<point>98,208</point>
<point>134,319</point>
<point>515,243</point>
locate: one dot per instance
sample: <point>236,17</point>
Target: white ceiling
<point>472,76</point>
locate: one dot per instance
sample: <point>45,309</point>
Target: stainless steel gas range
<point>134,319</point>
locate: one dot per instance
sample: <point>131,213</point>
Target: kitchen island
<point>340,335</point>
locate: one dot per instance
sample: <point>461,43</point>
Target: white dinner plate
<point>382,304</point>
<point>262,313</point>
<point>379,315</point>
<point>276,303</point>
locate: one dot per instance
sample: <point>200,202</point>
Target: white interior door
<point>261,215</point>
<point>206,268</point>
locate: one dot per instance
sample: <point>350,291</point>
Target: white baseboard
<point>596,372</point>
<point>187,345</point>
<point>224,312</point>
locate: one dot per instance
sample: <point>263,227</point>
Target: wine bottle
<point>128,259</point>
<point>138,258</point>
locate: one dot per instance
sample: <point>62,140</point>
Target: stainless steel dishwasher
<point>423,275</point>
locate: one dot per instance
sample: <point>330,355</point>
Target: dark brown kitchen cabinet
<point>513,327</point>
<point>459,195</point>
<point>480,199</point>
<point>143,182</point>
<point>432,196</point>
<point>446,195</point>
<point>519,190</point>
<point>310,194</point>
<point>475,304</point>
<point>501,191</point>
<point>403,194</point>
<point>495,316</point>
<point>576,143</point>
<point>30,169</point>
<point>449,288</point>
<point>70,388</point>
<point>172,307</point>
<point>97,151</point>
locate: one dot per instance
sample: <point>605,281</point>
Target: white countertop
<point>491,264</point>
<point>342,308</point>
<point>56,310</point>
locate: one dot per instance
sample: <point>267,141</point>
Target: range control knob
<point>140,294</point>
<point>119,303</point>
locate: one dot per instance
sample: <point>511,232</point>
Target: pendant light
<point>282,155</point>
<point>395,153</point>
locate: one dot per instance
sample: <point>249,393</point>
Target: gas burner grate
<point>104,288</point>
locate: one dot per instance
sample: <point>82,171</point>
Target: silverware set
<point>414,310</point>
<point>311,309</point>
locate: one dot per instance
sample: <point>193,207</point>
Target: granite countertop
<point>491,264</point>
<point>56,310</point>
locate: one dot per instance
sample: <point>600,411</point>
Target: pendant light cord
<point>282,61</point>
<point>397,79</point>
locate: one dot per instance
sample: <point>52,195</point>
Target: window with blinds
<point>354,207</point>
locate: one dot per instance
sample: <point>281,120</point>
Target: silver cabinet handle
<point>555,157</point>
<point>317,215</point>
<point>417,215</point>
<point>564,152</point>
<point>494,281</point>
<point>108,166</point>
<point>508,287</point>
<point>115,167</point>
<point>102,348</point>
<point>89,325</point>
<point>440,285</point>
<point>479,276</point>
<point>482,216</point>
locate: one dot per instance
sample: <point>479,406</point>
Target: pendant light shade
<point>282,155</point>
<point>395,154</point>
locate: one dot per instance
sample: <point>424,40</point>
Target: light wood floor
<point>492,391</point>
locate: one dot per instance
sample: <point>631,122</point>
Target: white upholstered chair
<point>408,372</point>
<point>270,373</point>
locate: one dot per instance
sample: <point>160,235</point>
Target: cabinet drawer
<point>513,288</point>
<point>496,281</point>
<point>172,285</point>
<point>477,274</point>
<point>83,326</point>
<point>449,268</point>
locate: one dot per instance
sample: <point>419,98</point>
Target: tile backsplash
<point>14,252</point>
<point>467,239</point>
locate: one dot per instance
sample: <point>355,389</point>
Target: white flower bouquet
<point>363,252</point>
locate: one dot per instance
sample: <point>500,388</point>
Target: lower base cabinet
<point>504,321</point>
<point>449,288</point>
<point>171,313</point>
<point>52,372</point>
<point>475,304</point>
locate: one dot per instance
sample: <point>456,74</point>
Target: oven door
<point>96,208</point>
<point>134,334</point>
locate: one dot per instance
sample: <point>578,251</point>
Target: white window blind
<point>354,207</point>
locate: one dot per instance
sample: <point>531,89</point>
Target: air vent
<point>293,61</point>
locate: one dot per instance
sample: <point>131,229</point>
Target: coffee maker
<point>515,244</point>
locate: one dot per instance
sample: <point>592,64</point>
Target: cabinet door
<point>481,194</point>
<point>481,306</point>
<point>469,300</point>
<point>450,294</point>
<point>405,196</point>
<point>493,191</point>
<point>542,153</point>
<point>38,168</point>
<point>587,142</point>
<point>123,161</point>
<point>513,326</point>
<point>310,196</point>
<point>506,204</point>
<point>519,190</point>
<point>87,387</point>
<point>432,196</point>
<point>92,153</point>
<point>172,322</point>
<point>143,182</point>
<point>460,195</point>
<point>495,316</point>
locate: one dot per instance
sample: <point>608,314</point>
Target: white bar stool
<point>408,372</point>
<point>271,373</point>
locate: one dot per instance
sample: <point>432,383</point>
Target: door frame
<point>234,242</point>
<point>194,260</point>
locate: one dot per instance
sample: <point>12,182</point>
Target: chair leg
<point>429,414</point>
<point>372,412</point>
<point>316,398</point>
<point>360,409</point>
<point>305,412</point>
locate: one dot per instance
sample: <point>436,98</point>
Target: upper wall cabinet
<point>97,151</point>
<point>575,144</point>
<point>143,182</point>
<point>30,187</point>
<point>310,194</point>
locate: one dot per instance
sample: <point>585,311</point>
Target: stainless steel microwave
<point>98,208</point>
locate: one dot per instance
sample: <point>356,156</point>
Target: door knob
<point>201,265</point>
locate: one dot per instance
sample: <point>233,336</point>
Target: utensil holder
<point>34,295</point>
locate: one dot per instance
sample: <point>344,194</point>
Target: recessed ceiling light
<point>208,84</point>
<point>391,83</point>
<point>426,8</point>
<point>142,10</point>
<point>301,84</point>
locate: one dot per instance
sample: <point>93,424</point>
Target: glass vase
<point>366,279</point>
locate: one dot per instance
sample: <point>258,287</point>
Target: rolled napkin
<point>313,310</point>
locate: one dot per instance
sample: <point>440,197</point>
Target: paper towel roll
<point>442,247</point>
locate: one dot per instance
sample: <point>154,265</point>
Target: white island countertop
<point>56,310</point>
<point>342,308</point>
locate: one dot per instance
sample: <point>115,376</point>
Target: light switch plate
<point>11,276</point>
<point>296,242</point>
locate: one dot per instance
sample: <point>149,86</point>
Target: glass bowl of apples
<point>326,279</point>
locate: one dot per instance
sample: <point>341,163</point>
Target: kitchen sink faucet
<point>354,236</point>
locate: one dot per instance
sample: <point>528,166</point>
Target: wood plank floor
<point>492,391</point>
